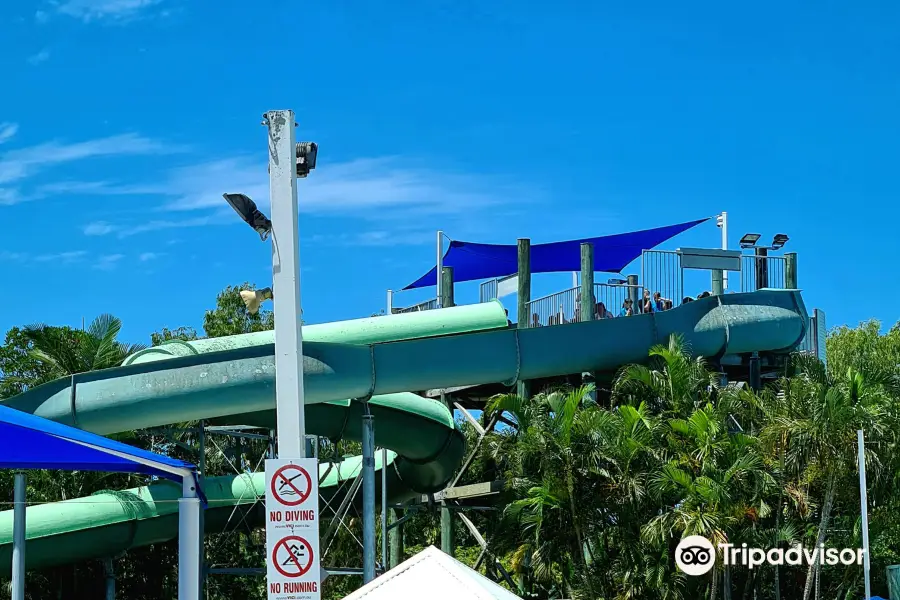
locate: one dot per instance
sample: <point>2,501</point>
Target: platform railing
<point>487,290</point>
<point>661,272</point>
<point>762,272</point>
<point>426,305</point>
<point>554,309</point>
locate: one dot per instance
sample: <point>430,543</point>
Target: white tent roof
<point>432,575</point>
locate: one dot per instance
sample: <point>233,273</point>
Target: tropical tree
<point>815,419</point>
<point>94,348</point>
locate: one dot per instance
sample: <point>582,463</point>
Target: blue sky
<point>123,121</point>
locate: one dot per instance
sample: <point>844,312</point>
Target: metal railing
<point>759,272</point>
<point>814,342</point>
<point>554,309</point>
<point>426,305</point>
<point>565,306</point>
<point>661,272</point>
<point>487,291</point>
<point>609,299</point>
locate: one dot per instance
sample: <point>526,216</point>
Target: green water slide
<point>382,359</point>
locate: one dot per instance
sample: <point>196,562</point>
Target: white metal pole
<point>390,302</point>
<point>286,285</point>
<point>384,510</point>
<point>440,265</point>
<point>189,542</point>
<point>368,485</point>
<point>724,247</point>
<point>18,554</point>
<point>864,506</point>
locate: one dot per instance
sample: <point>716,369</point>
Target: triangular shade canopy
<point>31,442</point>
<point>612,253</point>
<point>433,575</point>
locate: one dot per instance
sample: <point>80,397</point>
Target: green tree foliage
<point>597,495</point>
<point>20,369</point>
<point>231,317</point>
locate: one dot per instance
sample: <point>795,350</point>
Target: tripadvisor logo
<point>695,555</point>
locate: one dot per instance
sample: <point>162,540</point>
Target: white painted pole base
<point>18,555</point>
<point>189,543</point>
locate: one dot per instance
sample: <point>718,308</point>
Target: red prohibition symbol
<point>292,556</point>
<point>291,485</point>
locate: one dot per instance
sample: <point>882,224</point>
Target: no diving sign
<point>292,529</point>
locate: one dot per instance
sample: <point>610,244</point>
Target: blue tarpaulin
<point>31,442</point>
<point>612,253</point>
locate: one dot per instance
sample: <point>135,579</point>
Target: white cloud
<point>98,228</point>
<point>106,10</point>
<point>8,131</point>
<point>147,256</point>
<point>41,16</point>
<point>108,262</point>
<point>61,257</point>
<point>375,238</point>
<point>381,189</point>
<point>40,57</point>
<point>19,164</point>
<point>362,184</point>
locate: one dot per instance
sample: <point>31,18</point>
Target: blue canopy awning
<point>612,253</point>
<point>31,442</point>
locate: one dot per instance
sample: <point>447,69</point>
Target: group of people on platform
<point>647,304</point>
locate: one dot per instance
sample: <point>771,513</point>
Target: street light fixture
<point>779,241</point>
<point>749,240</point>
<point>246,209</point>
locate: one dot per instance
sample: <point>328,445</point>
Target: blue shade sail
<point>612,253</point>
<point>31,442</point>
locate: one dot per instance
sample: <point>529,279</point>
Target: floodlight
<point>306,157</point>
<point>253,298</point>
<point>749,240</point>
<point>779,241</point>
<point>616,281</point>
<point>246,208</point>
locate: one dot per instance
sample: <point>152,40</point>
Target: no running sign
<point>292,529</point>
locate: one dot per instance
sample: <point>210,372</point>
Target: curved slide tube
<point>109,523</point>
<point>235,383</point>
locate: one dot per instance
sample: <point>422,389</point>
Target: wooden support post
<point>447,287</point>
<point>523,315</point>
<point>790,271</point>
<point>395,538</point>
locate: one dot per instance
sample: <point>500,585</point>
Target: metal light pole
<point>440,265</point>
<point>18,555</point>
<point>723,225</point>
<point>864,505</point>
<point>286,284</point>
<point>368,485</point>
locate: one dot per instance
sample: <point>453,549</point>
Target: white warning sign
<point>292,529</point>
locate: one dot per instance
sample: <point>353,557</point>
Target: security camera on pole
<point>292,480</point>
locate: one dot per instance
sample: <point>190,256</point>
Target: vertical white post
<point>384,510</point>
<point>864,505</point>
<point>440,265</point>
<point>286,285</point>
<point>189,542</point>
<point>724,246</point>
<point>368,485</point>
<point>390,302</point>
<point>18,554</point>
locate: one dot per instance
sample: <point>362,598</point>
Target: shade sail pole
<point>18,554</point>
<point>440,265</point>
<point>189,541</point>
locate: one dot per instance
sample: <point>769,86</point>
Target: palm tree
<point>95,347</point>
<point>815,421</point>
<point>673,382</point>
<point>549,459</point>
